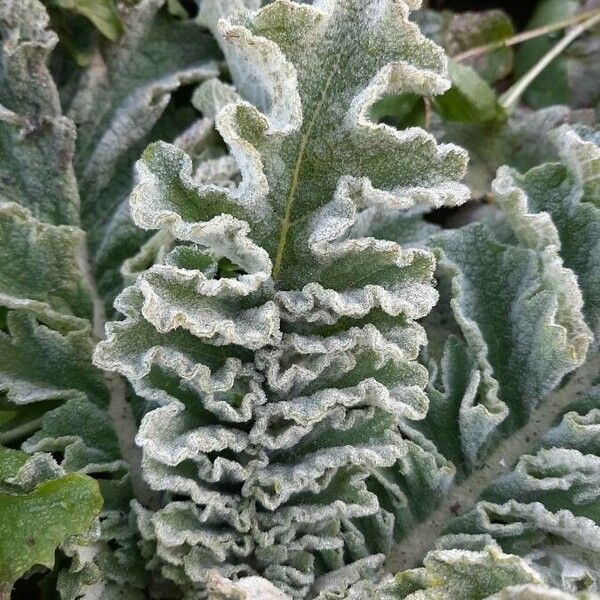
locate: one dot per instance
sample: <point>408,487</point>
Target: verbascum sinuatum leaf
<point>277,352</point>
<point>559,204</point>
<point>517,316</point>
<point>546,509</point>
<point>121,103</point>
<point>52,398</point>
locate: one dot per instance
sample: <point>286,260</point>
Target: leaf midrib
<point>286,222</point>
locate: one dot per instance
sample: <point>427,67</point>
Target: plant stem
<point>526,35</point>
<point>119,409</point>
<point>463,496</point>
<point>510,98</point>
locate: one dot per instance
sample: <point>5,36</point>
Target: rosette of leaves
<point>512,449</point>
<point>277,352</point>
<point>518,285</point>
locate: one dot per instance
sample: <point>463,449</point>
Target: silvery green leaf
<point>278,354</point>
<point>521,142</point>
<point>104,559</point>
<point>463,574</point>
<point>121,103</point>
<point>52,394</point>
<point>511,325</point>
<point>559,204</point>
<point>37,142</point>
<point>511,302</point>
<point>546,509</point>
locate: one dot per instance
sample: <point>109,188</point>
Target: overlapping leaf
<point>516,321</point>
<point>50,389</point>
<point>279,352</point>
<point>39,509</point>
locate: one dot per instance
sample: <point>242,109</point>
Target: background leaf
<point>470,98</point>
<point>572,78</point>
<point>102,13</point>
<point>33,524</point>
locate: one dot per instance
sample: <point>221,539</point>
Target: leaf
<point>451,574</point>
<point>278,354</point>
<point>41,364</point>
<point>121,103</point>
<point>521,142</point>
<point>102,13</point>
<point>106,555</point>
<point>33,524</point>
<point>460,32</point>
<point>564,203</point>
<point>545,510</point>
<point>41,268</point>
<point>123,94</point>
<point>470,99</point>
<point>474,29</point>
<point>37,142</point>
<point>52,398</point>
<point>249,587</point>
<point>511,325</point>
<point>569,79</point>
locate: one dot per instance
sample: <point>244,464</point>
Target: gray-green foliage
<point>304,353</point>
<point>52,398</point>
<point>327,385</point>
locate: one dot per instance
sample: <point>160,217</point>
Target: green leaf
<point>408,110</point>
<point>470,30</point>
<point>277,349</point>
<point>460,32</point>
<point>572,78</point>
<point>522,141</point>
<point>37,143</point>
<point>33,524</point>
<point>470,99</point>
<point>41,268</point>
<point>102,13</point>
<point>122,102</point>
<point>52,399</point>
<point>513,323</point>
<point>563,201</point>
<point>451,574</point>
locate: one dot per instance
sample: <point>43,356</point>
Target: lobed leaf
<point>278,353</point>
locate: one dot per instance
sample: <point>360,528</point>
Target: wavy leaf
<point>53,400</point>
<point>34,523</point>
<point>278,354</point>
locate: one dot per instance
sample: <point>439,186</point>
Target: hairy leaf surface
<point>279,352</point>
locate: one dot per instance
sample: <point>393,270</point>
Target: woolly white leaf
<point>282,353</point>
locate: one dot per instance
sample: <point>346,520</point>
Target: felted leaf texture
<point>52,398</point>
<point>332,380</point>
<point>505,444</point>
<point>45,296</point>
<point>120,103</point>
<point>277,353</point>
<point>512,323</point>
